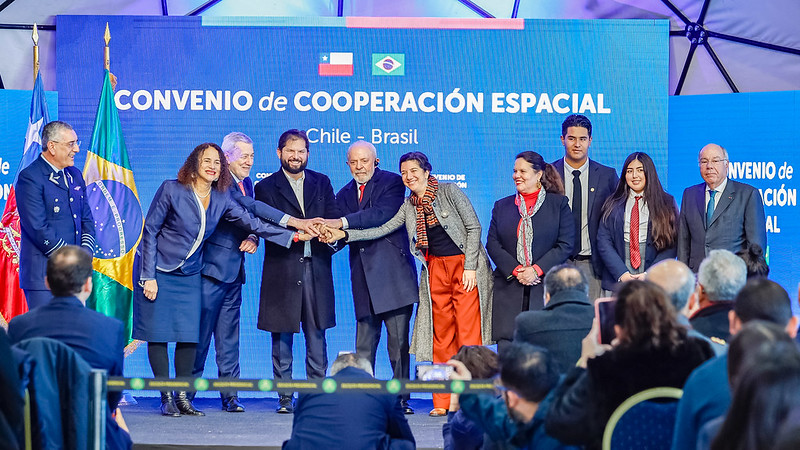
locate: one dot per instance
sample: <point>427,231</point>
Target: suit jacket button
<point>75,216</point>
<point>70,199</point>
<point>362,250</point>
<point>299,282</point>
<point>445,227</point>
<point>301,259</point>
<point>460,245</point>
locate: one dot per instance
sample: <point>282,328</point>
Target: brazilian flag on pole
<point>117,214</point>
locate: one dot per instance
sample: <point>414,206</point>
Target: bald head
<point>675,278</point>
<point>713,160</point>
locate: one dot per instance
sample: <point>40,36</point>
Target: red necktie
<point>361,192</point>
<point>241,187</point>
<point>636,257</point>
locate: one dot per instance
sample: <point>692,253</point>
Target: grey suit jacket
<point>738,221</point>
<point>458,219</point>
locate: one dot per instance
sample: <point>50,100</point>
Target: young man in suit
<point>718,213</point>
<point>382,271</point>
<point>98,339</point>
<point>53,209</point>
<point>297,283</point>
<point>587,185</point>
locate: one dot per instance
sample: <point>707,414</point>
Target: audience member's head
<point>754,260</point>
<point>762,299</point>
<point>645,318</point>
<point>767,388</point>
<point>747,343</point>
<point>69,272</point>
<point>676,279</point>
<point>350,360</point>
<point>527,373</point>
<point>564,278</point>
<point>481,361</point>
<point>720,277</point>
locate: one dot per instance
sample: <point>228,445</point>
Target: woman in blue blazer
<point>183,214</point>
<point>531,232</point>
<point>638,194</point>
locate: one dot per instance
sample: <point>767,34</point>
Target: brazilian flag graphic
<point>117,214</point>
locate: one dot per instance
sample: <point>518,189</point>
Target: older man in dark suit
<point>718,213</point>
<point>382,271</point>
<point>98,339</point>
<point>297,283</point>
<point>353,421</point>
<point>587,185</point>
<point>566,318</point>
<point>53,209</point>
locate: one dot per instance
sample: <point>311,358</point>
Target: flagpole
<point>35,38</point>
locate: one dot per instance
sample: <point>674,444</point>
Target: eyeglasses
<point>713,162</point>
<point>70,144</point>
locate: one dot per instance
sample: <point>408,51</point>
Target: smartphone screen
<point>604,311</point>
<point>434,372</point>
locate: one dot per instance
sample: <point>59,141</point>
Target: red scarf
<point>425,216</point>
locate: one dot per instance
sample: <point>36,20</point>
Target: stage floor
<point>257,428</point>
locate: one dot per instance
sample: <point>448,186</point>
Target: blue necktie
<point>710,207</point>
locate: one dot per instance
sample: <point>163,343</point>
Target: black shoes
<point>406,408</point>
<point>168,406</point>
<point>285,405</point>
<point>185,405</point>
<point>231,404</point>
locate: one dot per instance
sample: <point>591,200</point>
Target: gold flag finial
<point>35,38</point>
<point>106,52</point>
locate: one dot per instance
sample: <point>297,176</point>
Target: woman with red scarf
<point>530,232</point>
<point>455,289</point>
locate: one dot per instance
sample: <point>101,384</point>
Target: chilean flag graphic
<point>335,64</point>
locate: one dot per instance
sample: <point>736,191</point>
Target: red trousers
<point>456,313</point>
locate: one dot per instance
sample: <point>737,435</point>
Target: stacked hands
<point>527,276</point>
<point>325,230</point>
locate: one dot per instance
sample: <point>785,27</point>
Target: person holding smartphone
<point>651,349</point>
<point>638,227</point>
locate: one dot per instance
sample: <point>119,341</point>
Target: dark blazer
<point>12,423</point>
<point>282,275</point>
<point>98,339</point>
<point>586,398</point>
<point>381,270</point>
<point>352,421</point>
<point>611,247</point>
<point>738,221</point>
<point>553,240</point>
<point>173,222</point>
<point>713,321</point>
<point>602,182</point>
<point>559,327</point>
<point>222,259</point>
<point>50,216</point>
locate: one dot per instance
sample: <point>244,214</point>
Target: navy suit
<point>738,221</point>
<point>352,421</point>
<point>383,274</point>
<point>602,183</point>
<point>611,247</point>
<point>559,327</point>
<point>100,341</point>
<point>53,212</point>
<point>223,276</point>
<point>553,241</point>
<point>294,288</point>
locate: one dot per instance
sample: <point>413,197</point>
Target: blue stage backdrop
<point>750,126</point>
<point>469,93</point>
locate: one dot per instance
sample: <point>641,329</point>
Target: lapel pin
<point>56,209</point>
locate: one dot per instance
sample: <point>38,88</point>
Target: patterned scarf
<point>525,228</point>
<point>425,216</point>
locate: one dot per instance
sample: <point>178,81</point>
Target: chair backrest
<point>641,423</point>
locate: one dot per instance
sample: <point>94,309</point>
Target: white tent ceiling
<point>749,67</point>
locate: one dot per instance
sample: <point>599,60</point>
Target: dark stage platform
<point>258,428</point>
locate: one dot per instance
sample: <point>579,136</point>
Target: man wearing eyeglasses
<point>53,209</point>
<point>718,213</point>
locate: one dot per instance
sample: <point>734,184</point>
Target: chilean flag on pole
<point>335,64</point>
